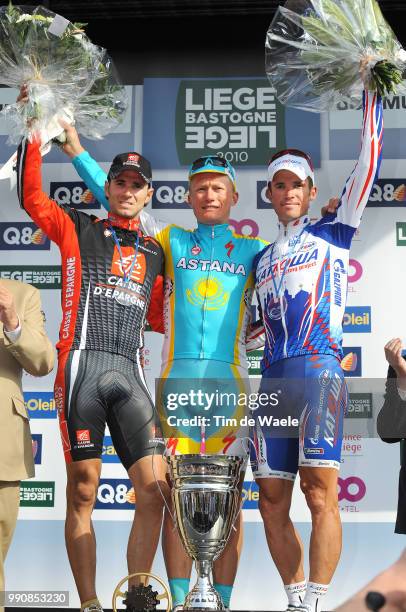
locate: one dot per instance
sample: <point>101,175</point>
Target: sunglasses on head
<point>296,153</point>
<point>209,160</point>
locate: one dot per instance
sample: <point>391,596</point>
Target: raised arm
<point>93,175</point>
<point>56,221</point>
<point>88,169</point>
<point>340,222</point>
<point>95,178</point>
<point>359,184</point>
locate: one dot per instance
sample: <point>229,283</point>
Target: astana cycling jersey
<point>208,282</point>
<point>301,279</point>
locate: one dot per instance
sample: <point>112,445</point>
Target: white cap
<point>298,165</point>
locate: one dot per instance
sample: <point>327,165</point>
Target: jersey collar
<point>128,224</point>
<point>212,231</point>
<point>293,227</point>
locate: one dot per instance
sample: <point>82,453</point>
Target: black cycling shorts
<point>95,388</point>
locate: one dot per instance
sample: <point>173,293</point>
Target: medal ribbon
<point>127,277</point>
<point>291,252</point>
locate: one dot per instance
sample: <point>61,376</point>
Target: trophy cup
<point>206,501</point>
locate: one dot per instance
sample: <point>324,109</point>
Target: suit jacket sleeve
<point>33,350</point>
<point>391,422</point>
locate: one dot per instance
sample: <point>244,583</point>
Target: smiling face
<point>128,193</point>
<point>290,196</point>
<point>211,196</point>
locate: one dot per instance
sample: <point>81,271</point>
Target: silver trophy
<point>206,501</point>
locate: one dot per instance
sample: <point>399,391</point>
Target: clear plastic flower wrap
<point>321,51</point>
<point>67,75</point>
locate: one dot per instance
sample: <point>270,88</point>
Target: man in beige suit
<point>24,345</point>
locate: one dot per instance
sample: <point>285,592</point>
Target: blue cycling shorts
<point>304,425</point>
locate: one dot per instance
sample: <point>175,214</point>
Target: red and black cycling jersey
<point>102,308</point>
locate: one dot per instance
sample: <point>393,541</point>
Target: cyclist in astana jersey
<point>112,281</point>
<point>208,279</point>
<point>301,283</point>
<point>208,290</point>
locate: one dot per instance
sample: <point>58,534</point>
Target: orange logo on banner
<point>139,269</point>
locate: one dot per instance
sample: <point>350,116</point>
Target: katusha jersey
<point>301,279</point>
<point>209,282</point>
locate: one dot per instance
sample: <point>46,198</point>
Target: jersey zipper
<point>205,295</point>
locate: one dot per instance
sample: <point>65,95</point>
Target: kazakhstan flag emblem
<point>208,292</point>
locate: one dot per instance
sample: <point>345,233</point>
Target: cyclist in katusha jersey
<point>208,290</point>
<point>301,283</point>
<point>112,281</point>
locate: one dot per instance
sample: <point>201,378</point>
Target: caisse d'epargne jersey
<point>101,309</point>
<point>301,280</point>
<point>209,282</point>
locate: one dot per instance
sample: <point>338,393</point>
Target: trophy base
<point>204,606</point>
<point>222,608</point>
<point>207,599</point>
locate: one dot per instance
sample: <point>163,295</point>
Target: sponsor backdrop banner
<point>238,118</point>
<point>241,119</point>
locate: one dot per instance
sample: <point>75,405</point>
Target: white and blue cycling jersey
<point>301,279</point>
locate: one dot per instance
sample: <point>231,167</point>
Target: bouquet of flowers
<point>321,51</point>
<point>67,76</point>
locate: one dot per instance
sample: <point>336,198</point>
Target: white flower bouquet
<point>321,51</point>
<point>67,76</point>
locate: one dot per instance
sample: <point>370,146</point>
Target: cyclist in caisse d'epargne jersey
<point>112,281</point>
<point>301,283</point>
